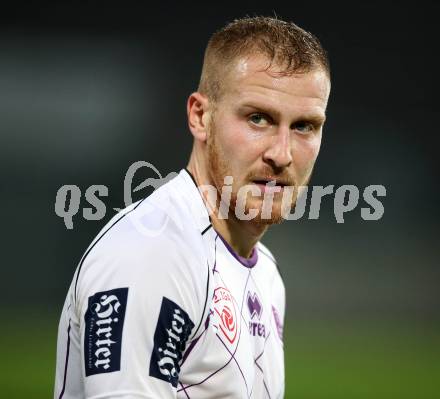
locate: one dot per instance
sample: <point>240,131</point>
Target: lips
<point>264,182</point>
<point>265,187</point>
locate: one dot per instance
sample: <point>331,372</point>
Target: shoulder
<point>265,252</point>
<point>277,287</point>
<point>146,244</point>
<point>270,261</point>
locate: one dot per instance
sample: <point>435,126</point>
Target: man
<point>196,310</point>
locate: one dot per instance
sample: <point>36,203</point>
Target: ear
<point>198,111</point>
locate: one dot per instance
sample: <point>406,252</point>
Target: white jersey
<point>161,307</point>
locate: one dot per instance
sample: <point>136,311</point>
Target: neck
<point>241,235</point>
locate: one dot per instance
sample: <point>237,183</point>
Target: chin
<point>274,216</point>
<point>275,219</point>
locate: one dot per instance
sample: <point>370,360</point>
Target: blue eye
<point>303,127</point>
<point>258,119</point>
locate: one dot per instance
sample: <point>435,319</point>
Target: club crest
<point>225,309</point>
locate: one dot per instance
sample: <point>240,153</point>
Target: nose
<point>279,152</point>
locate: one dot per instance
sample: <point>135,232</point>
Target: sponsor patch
<point>172,331</point>
<point>104,322</point>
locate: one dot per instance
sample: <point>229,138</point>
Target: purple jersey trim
<point>194,342</point>
<point>236,362</point>
<point>183,388</point>
<point>248,262</point>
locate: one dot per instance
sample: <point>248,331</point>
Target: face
<point>266,127</point>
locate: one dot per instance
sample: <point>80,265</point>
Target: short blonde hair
<point>283,43</point>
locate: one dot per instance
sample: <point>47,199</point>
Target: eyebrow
<point>317,118</point>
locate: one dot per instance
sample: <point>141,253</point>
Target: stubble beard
<point>218,169</point>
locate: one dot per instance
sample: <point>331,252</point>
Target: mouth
<point>267,184</point>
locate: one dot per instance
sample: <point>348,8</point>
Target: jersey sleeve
<point>139,302</point>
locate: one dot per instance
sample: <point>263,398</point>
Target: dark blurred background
<point>88,88</point>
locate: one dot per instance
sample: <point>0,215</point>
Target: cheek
<point>239,142</point>
<point>305,153</point>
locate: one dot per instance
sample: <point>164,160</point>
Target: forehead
<point>250,80</point>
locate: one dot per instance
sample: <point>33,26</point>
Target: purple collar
<point>248,262</point>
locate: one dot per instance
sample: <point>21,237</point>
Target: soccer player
<point>177,297</point>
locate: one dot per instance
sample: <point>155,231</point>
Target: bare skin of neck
<point>240,235</point>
